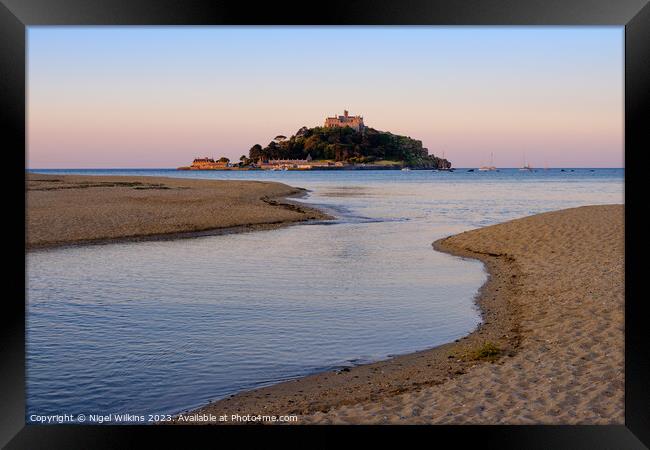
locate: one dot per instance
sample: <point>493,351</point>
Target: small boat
<point>471,170</point>
<point>526,167</point>
<point>489,168</point>
<point>405,169</point>
<point>444,169</point>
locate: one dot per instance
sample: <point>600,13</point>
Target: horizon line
<point>175,168</point>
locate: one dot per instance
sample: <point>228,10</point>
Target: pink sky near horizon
<point>131,102</point>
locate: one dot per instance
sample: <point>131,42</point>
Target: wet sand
<point>549,351</point>
<point>74,209</point>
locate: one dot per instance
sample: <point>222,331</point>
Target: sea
<point>161,327</point>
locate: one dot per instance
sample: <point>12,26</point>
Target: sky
<point>157,97</point>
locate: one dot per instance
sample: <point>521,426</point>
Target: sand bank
<point>74,209</point>
<point>549,351</point>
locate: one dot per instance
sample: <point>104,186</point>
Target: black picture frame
<point>16,15</point>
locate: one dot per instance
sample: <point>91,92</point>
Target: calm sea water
<point>160,327</point>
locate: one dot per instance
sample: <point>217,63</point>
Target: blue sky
<point>159,96</point>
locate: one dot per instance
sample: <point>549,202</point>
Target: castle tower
<point>346,120</point>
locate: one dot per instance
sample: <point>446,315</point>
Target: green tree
<point>255,152</point>
<point>346,144</point>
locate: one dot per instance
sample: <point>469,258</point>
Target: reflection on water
<point>157,327</point>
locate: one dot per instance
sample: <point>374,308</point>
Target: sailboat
<point>444,169</point>
<point>490,167</point>
<point>526,167</point>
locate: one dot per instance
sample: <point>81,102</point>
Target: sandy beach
<point>74,209</point>
<point>550,349</point>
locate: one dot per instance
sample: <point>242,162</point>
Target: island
<point>342,143</point>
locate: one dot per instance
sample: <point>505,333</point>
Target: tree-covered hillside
<point>348,145</point>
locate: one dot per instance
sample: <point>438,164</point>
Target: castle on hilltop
<point>354,122</point>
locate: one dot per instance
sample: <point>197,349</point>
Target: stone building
<point>354,122</point>
<point>207,164</point>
